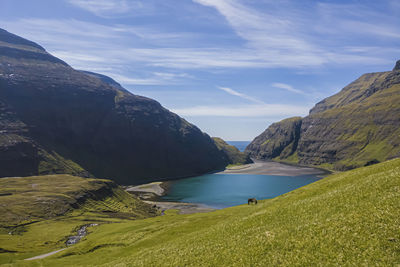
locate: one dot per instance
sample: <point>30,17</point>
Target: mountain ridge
<point>97,127</point>
<point>355,127</point>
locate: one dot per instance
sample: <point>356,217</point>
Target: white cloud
<point>354,20</point>
<point>265,31</point>
<point>172,76</point>
<point>154,79</point>
<point>265,110</point>
<point>82,43</point>
<point>281,38</point>
<point>286,31</point>
<point>288,87</point>
<point>105,8</point>
<point>88,45</point>
<point>241,95</point>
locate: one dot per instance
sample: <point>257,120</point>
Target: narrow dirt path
<point>72,240</point>
<point>45,255</point>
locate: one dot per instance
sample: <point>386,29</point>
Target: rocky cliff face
<point>20,155</point>
<point>397,66</point>
<point>357,126</point>
<point>278,140</point>
<point>96,127</point>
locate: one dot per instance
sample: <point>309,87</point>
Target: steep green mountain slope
<point>38,213</point>
<point>280,139</point>
<point>68,121</point>
<point>234,155</point>
<point>357,126</point>
<point>346,219</point>
<point>19,152</point>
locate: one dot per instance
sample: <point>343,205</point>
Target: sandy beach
<point>273,168</point>
<point>153,188</point>
<point>151,193</point>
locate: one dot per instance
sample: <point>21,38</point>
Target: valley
<point>132,166</point>
<point>353,215</point>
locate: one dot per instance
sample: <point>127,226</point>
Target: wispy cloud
<point>288,87</point>
<point>287,31</point>
<point>274,37</point>
<point>107,8</point>
<point>156,78</point>
<point>241,95</point>
<point>267,46</point>
<point>265,110</point>
<point>263,30</point>
<point>81,43</point>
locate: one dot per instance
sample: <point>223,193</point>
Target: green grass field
<point>39,213</point>
<point>345,219</point>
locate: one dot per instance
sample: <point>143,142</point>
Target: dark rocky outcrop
<point>278,140</point>
<point>397,66</point>
<point>20,155</point>
<point>357,126</point>
<point>89,123</point>
<point>234,156</point>
<point>105,79</point>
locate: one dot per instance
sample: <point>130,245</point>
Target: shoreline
<point>262,167</point>
<point>151,193</point>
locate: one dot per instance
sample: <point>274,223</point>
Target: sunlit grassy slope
<point>356,127</point>
<point>351,218</point>
<point>37,214</point>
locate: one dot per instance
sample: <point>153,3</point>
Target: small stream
<point>72,240</point>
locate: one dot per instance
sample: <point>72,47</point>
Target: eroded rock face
<point>20,155</point>
<point>278,140</point>
<point>96,126</point>
<point>357,126</point>
<point>234,156</point>
<point>16,149</point>
<point>397,66</point>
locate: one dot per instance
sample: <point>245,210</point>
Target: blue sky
<point>232,67</point>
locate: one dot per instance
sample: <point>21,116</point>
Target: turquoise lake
<point>226,190</point>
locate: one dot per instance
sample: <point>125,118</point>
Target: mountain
<point>233,154</point>
<point>55,119</point>
<point>357,126</point>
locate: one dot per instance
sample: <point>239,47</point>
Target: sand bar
<point>273,168</point>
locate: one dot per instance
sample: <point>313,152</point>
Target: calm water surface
<point>226,190</point>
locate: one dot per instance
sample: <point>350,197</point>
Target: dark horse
<point>252,200</point>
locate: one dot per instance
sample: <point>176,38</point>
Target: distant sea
<point>241,145</point>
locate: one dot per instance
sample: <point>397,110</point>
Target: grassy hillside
<point>356,127</point>
<point>235,157</point>
<point>350,218</point>
<point>278,140</point>
<point>362,128</point>
<point>39,213</point>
